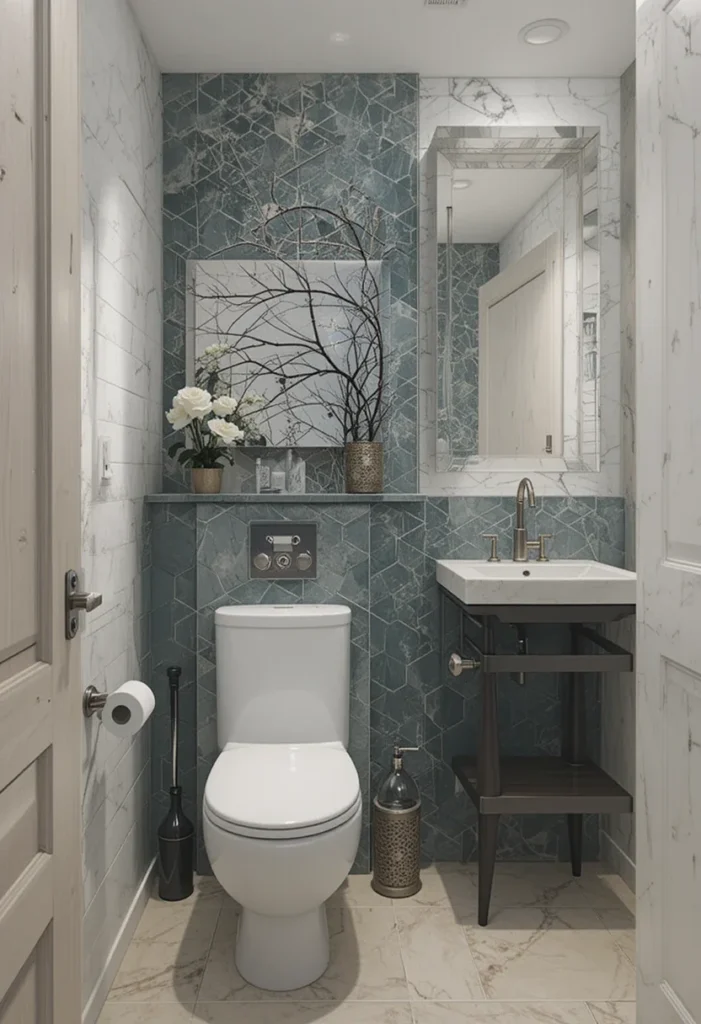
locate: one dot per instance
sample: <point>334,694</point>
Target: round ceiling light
<point>462,183</point>
<point>339,37</point>
<point>540,33</point>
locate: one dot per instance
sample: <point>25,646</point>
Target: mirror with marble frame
<point>514,279</point>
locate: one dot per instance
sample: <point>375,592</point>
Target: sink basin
<point>553,583</point>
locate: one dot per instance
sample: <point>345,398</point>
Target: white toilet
<point>282,804</point>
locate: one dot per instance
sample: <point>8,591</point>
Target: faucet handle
<point>540,545</point>
<point>493,554</point>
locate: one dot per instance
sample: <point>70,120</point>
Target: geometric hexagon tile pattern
<point>378,558</point>
<point>329,139</point>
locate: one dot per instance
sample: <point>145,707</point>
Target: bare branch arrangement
<point>317,340</point>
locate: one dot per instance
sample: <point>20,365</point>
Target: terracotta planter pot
<point>207,481</point>
<point>364,467</point>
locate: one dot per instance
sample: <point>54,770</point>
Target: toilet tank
<point>283,673</point>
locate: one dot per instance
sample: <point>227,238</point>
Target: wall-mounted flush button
<point>276,553</point>
<point>304,561</point>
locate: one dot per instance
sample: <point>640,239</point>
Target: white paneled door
<point>40,717</point>
<point>669,511</point>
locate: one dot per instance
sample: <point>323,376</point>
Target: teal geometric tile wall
<point>473,264</point>
<point>379,558</point>
<point>327,139</point>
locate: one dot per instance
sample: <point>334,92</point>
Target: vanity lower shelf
<point>545,785</point>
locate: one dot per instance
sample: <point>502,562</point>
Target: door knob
<point>77,601</point>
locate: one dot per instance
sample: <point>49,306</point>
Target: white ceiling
<point>479,39</point>
<point>494,203</point>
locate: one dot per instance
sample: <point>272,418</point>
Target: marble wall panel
<point>121,354</point>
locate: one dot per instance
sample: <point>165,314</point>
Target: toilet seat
<point>282,791</point>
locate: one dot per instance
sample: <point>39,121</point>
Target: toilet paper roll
<point>128,708</point>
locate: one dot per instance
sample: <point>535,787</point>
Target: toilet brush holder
<point>176,833</point>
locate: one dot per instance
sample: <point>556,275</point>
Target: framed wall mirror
<point>516,293</point>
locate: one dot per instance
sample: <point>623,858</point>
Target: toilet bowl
<point>281,828</point>
<point>282,805</point>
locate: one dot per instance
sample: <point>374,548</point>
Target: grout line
<point>209,953</point>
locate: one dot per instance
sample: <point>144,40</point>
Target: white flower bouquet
<point>213,426</point>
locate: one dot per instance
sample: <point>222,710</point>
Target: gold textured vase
<point>364,467</point>
<point>207,481</point>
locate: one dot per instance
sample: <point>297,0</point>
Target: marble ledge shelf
<point>284,499</point>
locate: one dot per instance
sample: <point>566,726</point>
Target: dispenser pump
<point>399,791</point>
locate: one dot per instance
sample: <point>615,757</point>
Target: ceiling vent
<point>445,3</point>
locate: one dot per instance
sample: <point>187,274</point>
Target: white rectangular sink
<point>520,583</point>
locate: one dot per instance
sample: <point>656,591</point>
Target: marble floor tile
<point>146,1013</point>
<point>621,924</point>
<point>207,890</point>
<point>356,891</point>
<point>501,1013</point>
<point>166,959</point>
<point>365,962</point>
<point>518,885</point>
<point>613,1013</point>
<point>436,955</point>
<point>445,886</point>
<point>306,1013</point>
<point>532,954</point>
<point>552,885</point>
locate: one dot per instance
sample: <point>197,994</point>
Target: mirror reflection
<point>517,282</point>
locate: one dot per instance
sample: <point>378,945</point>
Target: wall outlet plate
<point>282,551</point>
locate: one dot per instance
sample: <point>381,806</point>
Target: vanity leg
<point>488,826</point>
<point>488,777</point>
<point>575,830</point>
<point>574,750</point>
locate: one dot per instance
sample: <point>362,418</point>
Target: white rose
<point>194,402</point>
<point>228,432</point>
<point>178,418</point>
<point>225,405</point>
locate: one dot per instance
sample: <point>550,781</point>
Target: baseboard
<point>618,859</point>
<point>96,1000</point>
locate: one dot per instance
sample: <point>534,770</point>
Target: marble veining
<point>456,102</point>
<point>325,139</point>
<point>392,962</point>
<point>121,350</point>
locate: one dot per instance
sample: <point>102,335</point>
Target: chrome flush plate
<point>282,551</point>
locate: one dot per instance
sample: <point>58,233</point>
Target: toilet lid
<point>280,787</point>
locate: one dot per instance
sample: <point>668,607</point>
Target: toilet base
<point>282,953</point>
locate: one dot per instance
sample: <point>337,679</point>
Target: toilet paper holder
<point>93,701</point>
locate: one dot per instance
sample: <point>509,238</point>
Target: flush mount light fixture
<point>339,37</point>
<point>541,33</point>
<point>462,183</point>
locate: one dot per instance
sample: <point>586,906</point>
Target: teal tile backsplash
<point>378,557</point>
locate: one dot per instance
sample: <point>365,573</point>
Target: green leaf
<point>175,448</point>
<point>187,456</point>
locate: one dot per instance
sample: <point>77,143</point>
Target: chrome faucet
<point>521,541</point>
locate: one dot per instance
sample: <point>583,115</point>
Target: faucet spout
<point>525,488</point>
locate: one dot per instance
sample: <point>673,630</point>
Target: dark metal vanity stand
<point>570,784</point>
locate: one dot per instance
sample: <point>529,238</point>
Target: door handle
<point>76,601</point>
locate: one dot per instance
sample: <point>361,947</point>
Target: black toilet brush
<point>176,833</point>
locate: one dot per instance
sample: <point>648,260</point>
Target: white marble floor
<point>557,950</point>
